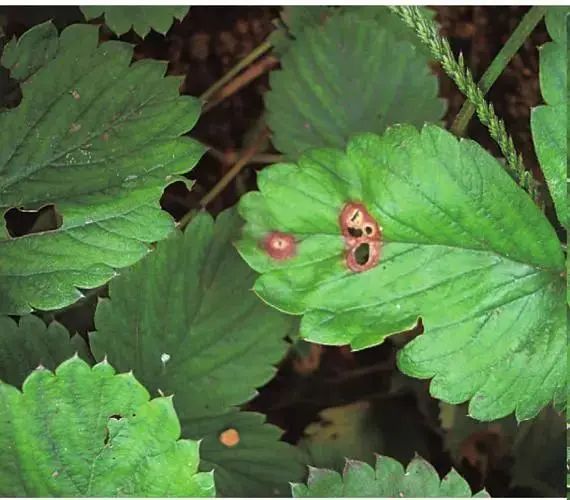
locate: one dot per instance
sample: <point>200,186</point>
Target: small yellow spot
<point>105,136</point>
<point>75,95</point>
<point>229,438</point>
<point>75,127</point>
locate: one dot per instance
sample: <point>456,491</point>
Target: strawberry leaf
<point>29,344</point>
<point>297,18</point>
<point>97,137</point>
<point>85,432</point>
<point>387,479</point>
<point>194,329</point>
<point>443,234</point>
<point>121,18</point>
<point>387,80</point>
<point>548,123</point>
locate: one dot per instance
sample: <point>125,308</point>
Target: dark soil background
<point>208,42</point>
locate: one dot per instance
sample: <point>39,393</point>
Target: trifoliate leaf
<point>348,76</point>
<point>29,344</point>
<point>100,139</point>
<point>548,122</point>
<point>85,432</point>
<point>142,18</point>
<point>413,225</point>
<point>196,330</point>
<point>387,479</point>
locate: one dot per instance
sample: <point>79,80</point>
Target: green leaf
<point>25,346</point>
<point>348,76</point>
<point>88,432</point>
<point>294,19</point>
<point>461,246</point>
<point>99,138</point>
<point>260,465</point>
<point>556,19</point>
<point>548,123</point>
<point>297,18</point>
<point>194,328</point>
<point>142,18</point>
<point>387,479</point>
<point>392,22</point>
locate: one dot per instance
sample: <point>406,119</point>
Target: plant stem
<point>439,46</point>
<point>247,155</point>
<point>231,157</point>
<point>240,81</point>
<point>245,158</point>
<point>514,43</point>
<point>246,61</point>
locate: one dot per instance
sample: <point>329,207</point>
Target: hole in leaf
<point>116,417</point>
<point>362,254</point>
<point>177,199</point>
<point>354,232</point>
<point>362,237</point>
<point>22,222</point>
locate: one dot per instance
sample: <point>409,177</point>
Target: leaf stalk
<point>246,61</point>
<point>511,47</point>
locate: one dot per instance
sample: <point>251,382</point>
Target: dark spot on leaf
<point>20,222</point>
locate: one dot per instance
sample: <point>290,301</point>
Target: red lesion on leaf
<point>362,235</point>
<point>280,246</point>
<point>230,437</point>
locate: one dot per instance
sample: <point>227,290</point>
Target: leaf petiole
<point>502,59</point>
